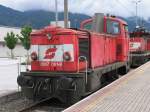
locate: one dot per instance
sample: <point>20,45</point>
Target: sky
<point>123,8</point>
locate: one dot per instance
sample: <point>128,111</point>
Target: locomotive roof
<point>43,30</point>
<point>55,30</point>
<point>117,19</point>
<point>109,17</point>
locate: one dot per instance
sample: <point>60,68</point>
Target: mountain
<point>39,18</point>
<point>132,23</point>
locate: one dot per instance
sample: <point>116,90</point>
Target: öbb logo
<point>50,53</point>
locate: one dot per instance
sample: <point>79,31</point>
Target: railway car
<point>68,64</point>
<point>139,46</point>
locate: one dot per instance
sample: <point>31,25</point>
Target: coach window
<point>113,27</point>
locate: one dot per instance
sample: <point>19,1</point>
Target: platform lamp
<point>56,12</point>
<point>136,7</point>
<point>66,13</point>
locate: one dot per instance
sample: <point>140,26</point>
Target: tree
<point>25,39</point>
<point>11,41</point>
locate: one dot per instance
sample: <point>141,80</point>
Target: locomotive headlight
<point>34,56</point>
<point>67,56</point>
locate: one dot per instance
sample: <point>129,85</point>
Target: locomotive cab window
<point>88,26</point>
<point>126,28</point>
<point>126,31</point>
<point>113,27</point>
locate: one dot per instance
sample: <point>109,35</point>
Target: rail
<point>38,104</point>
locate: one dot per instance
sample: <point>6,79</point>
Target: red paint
<point>148,44</point>
<point>142,42</point>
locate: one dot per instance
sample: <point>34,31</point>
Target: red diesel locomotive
<point>69,64</point>
<point>139,46</point>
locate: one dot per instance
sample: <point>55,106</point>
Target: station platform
<point>130,93</point>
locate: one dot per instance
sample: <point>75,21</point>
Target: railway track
<point>46,105</point>
<point>16,102</point>
<point>44,109</point>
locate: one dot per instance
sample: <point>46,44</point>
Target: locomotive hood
<point>53,48</point>
<point>53,30</point>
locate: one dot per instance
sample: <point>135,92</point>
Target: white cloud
<point>123,8</point>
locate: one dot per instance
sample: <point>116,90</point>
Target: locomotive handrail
<point>85,67</point>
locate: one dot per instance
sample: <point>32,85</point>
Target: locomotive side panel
<point>103,50</point>
<point>97,51</point>
<point>122,50</point>
<point>148,44</point>
<point>110,49</point>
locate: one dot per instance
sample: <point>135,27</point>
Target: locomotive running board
<point>110,67</point>
<point>52,74</point>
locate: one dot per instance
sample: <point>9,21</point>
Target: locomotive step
<point>130,93</point>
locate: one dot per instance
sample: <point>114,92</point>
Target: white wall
<point>18,51</point>
<point>5,29</point>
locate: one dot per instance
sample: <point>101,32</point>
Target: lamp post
<point>56,12</point>
<point>136,7</point>
<point>66,13</point>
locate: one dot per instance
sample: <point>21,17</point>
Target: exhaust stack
<point>98,23</point>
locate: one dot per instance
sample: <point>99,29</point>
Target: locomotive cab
<point>112,27</point>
